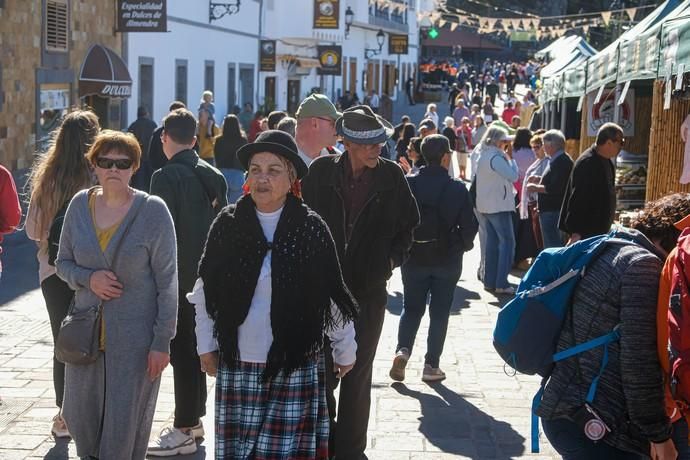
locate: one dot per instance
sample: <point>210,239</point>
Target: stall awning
<point>104,73</point>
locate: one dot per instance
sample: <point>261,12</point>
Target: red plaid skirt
<point>285,419</point>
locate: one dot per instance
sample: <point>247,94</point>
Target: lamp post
<point>349,18</point>
<point>380,39</point>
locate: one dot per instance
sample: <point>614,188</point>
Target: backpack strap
<point>604,341</point>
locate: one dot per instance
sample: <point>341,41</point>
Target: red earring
<point>245,188</point>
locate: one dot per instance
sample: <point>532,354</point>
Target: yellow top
<point>206,142</point>
<point>104,236</point>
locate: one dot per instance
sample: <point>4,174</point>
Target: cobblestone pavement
<point>478,412</point>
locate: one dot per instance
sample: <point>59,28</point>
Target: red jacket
<point>10,210</point>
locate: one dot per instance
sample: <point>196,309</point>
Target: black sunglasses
<point>108,163</point>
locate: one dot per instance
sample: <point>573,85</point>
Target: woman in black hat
<point>263,305</point>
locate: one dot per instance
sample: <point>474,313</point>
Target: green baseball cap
<point>317,105</point>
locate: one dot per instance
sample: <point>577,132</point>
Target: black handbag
<point>80,331</point>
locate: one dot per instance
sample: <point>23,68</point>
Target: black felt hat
<point>360,125</point>
<point>277,142</point>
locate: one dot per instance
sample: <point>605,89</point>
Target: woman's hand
<point>209,363</point>
<point>341,370</point>
<point>105,285</point>
<point>157,362</point>
<point>405,165</point>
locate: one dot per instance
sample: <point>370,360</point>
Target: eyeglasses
<point>329,120</point>
<point>108,163</point>
<point>620,141</point>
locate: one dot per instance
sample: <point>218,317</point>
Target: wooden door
<point>293,93</point>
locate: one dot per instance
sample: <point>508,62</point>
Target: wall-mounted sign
<point>330,58</point>
<point>267,56</point>
<point>326,14</point>
<point>603,111</point>
<point>142,16</point>
<point>398,44</point>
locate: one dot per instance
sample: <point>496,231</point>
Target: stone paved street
<point>478,412</point>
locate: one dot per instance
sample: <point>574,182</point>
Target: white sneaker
<point>432,374</point>
<point>172,441</point>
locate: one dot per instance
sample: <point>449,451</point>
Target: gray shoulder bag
<point>80,331</point>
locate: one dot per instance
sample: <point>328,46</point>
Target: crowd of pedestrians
<point>258,254</point>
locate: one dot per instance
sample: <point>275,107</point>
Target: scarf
<point>305,276</point>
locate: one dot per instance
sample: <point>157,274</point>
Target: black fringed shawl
<point>305,275</point>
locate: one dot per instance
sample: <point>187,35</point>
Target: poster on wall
<point>330,58</point>
<point>142,16</point>
<point>603,112</point>
<point>398,44</point>
<point>326,14</point>
<point>267,56</point>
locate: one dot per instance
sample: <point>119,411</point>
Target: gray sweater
<point>116,388</point>
<point>620,287</point>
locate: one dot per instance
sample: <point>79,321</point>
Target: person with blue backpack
<point>595,302</point>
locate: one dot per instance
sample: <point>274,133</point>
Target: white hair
<point>449,122</point>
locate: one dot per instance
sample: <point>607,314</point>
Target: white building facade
<point>222,55</point>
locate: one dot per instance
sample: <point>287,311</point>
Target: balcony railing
<point>388,22</point>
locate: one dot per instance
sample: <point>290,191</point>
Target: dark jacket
<point>225,152</point>
<point>554,180</point>
<point>382,235</point>
<point>454,207</point>
<point>188,201</point>
<point>589,203</point>
<point>619,289</point>
<point>142,129</point>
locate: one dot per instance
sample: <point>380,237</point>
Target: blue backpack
<point>528,327</point>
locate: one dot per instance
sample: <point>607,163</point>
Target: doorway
<point>270,94</point>
<point>247,85</point>
<point>293,92</point>
<point>99,105</point>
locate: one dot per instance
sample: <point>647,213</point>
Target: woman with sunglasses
<point>117,249</point>
<point>55,177</point>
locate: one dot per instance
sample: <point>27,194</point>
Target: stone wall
<point>21,25</point>
<point>20,42</point>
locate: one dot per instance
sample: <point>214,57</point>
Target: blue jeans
<point>572,444</point>
<point>418,283</point>
<point>680,439</point>
<point>549,229</point>
<point>235,180</point>
<point>500,249</point>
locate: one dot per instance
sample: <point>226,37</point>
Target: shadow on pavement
<point>395,302</point>
<point>455,426</point>
<point>60,451</point>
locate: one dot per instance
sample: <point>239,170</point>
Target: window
<point>146,83</point>
<point>56,25</point>
<point>181,80</point>
<point>232,96</point>
<point>208,76</point>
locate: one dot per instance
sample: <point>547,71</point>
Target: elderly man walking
<point>366,202</point>
<point>551,187</point>
<point>315,131</point>
<point>589,203</point>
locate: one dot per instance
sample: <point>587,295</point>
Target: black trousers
<point>348,438</point>
<point>58,297</point>
<point>189,381</point>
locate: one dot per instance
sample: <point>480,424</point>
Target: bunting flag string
<point>606,16</point>
<point>631,13</point>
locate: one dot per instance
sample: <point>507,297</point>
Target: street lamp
<point>349,17</point>
<point>380,39</point>
<point>217,10</point>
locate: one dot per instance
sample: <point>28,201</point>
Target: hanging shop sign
<point>267,56</point>
<point>603,111</point>
<point>330,58</point>
<point>142,16</point>
<point>326,14</point>
<point>398,44</point>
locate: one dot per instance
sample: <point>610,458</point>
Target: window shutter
<point>56,25</point>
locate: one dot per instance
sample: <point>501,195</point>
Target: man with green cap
<point>315,131</point>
